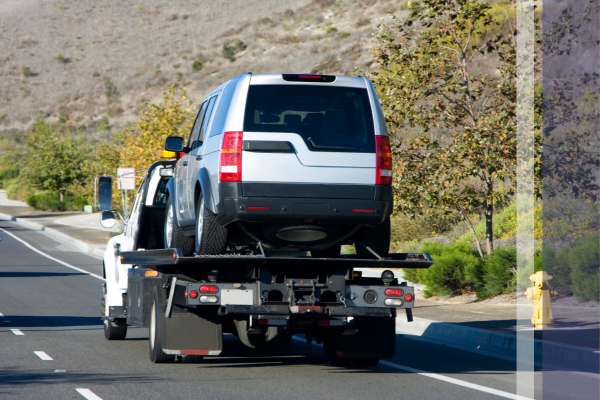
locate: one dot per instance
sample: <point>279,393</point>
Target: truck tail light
<point>208,289</point>
<point>408,297</point>
<point>384,160</point>
<point>230,167</point>
<point>193,294</point>
<point>209,299</point>
<point>393,302</point>
<point>394,292</point>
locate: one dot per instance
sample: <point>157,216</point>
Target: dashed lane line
<point>17,332</point>
<point>444,378</point>
<point>43,355</point>
<point>88,394</point>
<point>1,315</point>
<point>52,258</point>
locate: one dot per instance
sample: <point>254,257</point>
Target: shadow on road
<point>19,321</point>
<point>36,274</point>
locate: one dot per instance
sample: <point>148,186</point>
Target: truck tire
<point>332,252</point>
<point>211,238</point>
<point>330,354</point>
<point>157,330</point>
<point>173,236</point>
<point>112,331</point>
<point>190,359</point>
<point>366,362</point>
<point>377,238</point>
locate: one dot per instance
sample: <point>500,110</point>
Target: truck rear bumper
<point>296,203</point>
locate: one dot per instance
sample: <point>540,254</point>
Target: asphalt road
<point>57,309</point>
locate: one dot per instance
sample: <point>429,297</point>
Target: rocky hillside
<point>92,62</point>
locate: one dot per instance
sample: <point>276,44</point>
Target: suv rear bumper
<point>234,206</point>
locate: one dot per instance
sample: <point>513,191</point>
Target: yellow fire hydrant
<point>540,293</point>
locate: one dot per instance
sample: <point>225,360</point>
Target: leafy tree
<point>139,143</point>
<point>54,158</point>
<point>431,83</point>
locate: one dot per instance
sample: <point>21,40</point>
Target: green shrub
<point>344,34</point>
<point>197,65</point>
<point>19,190</point>
<point>455,269</point>
<point>331,29</point>
<point>499,273</point>
<point>49,201</point>
<point>583,260</point>
<point>557,265</point>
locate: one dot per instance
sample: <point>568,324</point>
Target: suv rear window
<point>329,118</point>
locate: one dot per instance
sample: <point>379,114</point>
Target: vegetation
<point>197,65</point>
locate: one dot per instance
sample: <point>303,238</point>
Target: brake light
<point>384,160</point>
<point>193,294</point>
<point>208,289</point>
<point>308,78</point>
<point>408,297</point>
<point>394,292</point>
<point>230,168</point>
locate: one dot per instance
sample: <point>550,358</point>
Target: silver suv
<point>288,162</point>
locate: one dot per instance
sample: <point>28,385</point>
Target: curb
<point>501,345</point>
<point>80,244</point>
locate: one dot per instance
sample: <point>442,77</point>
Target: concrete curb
<point>80,244</point>
<point>500,344</point>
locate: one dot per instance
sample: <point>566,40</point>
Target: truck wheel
<point>330,354</point>
<point>211,238</point>
<point>173,237</point>
<point>113,331</point>
<point>366,362</point>
<point>157,331</point>
<point>377,238</point>
<point>332,252</point>
<point>191,359</point>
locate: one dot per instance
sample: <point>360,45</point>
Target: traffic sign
<point>126,182</point>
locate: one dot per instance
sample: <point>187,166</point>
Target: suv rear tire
<point>211,238</point>
<point>173,237</point>
<point>377,238</point>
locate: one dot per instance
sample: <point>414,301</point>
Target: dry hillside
<point>93,61</point>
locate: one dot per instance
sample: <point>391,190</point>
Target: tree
<point>432,84</point>
<point>139,143</point>
<point>54,158</point>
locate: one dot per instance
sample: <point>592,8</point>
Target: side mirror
<point>107,219</point>
<point>174,143</point>
<point>104,193</point>
<point>166,172</point>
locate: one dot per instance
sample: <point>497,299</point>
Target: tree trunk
<point>468,223</point>
<point>489,213</point>
<point>62,196</point>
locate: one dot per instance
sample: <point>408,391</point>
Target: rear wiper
<point>318,146</point>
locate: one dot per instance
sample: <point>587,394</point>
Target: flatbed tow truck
<point>188,303</point>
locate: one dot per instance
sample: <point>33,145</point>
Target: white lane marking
<point>456,381</point>
<point>60,371</point>
<point>1,315</point>
<point>43,355</point>
<point>88,394</point>
<point>17,332</point>
<point>52,258</point>
<point>444,378</point>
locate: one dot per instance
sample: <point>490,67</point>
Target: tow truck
<point>259,295</point>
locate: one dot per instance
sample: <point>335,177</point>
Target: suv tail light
<point>384,160</point>
<point>230,168</point>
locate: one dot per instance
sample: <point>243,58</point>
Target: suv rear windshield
<point>329,118</point>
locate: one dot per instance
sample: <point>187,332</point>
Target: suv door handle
<point>198,157</point>
<point>185,163</point>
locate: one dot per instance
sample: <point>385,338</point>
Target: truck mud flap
<point>371,338</point>
<point>193,334</point>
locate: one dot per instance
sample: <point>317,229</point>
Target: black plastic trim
<point>312,190</point>
<point>266,146</point>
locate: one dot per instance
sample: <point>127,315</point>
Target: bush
<point>456,269</point>
<point>197,65</point>
<point>583,261</point>
<point>331,29</point>
<point>19,190</point>
<point>49,201</point>
<point>499,274</point>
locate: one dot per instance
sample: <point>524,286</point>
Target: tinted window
<point>209,110</point>
<point>328,118</point>
<point>197,123</point>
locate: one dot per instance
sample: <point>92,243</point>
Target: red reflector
<point>230,167</point>
<point>408,297</point>
<point>309,220</point>
<point>174,256</point>
<point>185,294</point>
<point>394,292</point>
<point>384,160</point>
<point>193,294</point>
<point>263,321</point>
<point>181,154</point>
<point>324,322</point>
<point>340,353</point>
<point>361,210</point>
<point>258,208</point>
<point>208,289</point>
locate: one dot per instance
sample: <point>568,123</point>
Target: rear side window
<point>328,118</point>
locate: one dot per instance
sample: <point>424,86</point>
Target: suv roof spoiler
<point>308,78</point>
